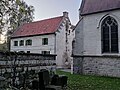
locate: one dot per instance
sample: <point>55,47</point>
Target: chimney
<point>65,14</point>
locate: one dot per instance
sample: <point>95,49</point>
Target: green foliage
<point>3,47</point>
<point>82,82</point>
<point>14,13</point>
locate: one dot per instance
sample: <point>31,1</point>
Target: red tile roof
<point>95,6</point>
<point>46,26</point>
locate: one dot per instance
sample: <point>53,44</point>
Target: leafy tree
<point>14,13</point>
<point>20,13</point>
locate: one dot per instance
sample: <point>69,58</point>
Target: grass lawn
<point>82,82</point>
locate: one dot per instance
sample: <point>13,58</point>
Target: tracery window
<point>109,29</point>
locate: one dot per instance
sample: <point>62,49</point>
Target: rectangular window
<point>22,51</point>
<point>45,52</point>
<point>15,43</point>
<point>28,51</point>
<point>28,42</point>
<point>21,42</point>
<point>45,41</point>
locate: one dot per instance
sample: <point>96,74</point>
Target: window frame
<point>44,41</point>
<point>28,52</point>
<point>109,45</point>
<point>21,43</point>
<point>45,52</point>
<point>28,42</point>
<point>15,43</point>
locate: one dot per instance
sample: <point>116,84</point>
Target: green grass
<point>83,82</point>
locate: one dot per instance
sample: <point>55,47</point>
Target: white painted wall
<point>61,50</point>
<point>36,46</point>
<point>71,36</point>
<point>91,33</point>
<point>60,46</point>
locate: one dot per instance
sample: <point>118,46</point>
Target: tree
<point>20,13</point>
<point>14,13</point>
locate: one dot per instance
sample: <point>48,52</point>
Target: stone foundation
<point>97,65</point>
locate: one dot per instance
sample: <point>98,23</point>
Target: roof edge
<point>98,12</point>
<point>45,19</point>
<point>32,35</point>
<point>77,23</point>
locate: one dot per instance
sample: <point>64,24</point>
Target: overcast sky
<point>52,8</point>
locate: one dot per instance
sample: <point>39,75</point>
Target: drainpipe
<point>55,45</point>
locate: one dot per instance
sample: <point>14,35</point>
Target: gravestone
<point>35,85</point>
<point>54,79</point>
<point>41,81</point>
<point>44,81</point>
<point>62,81</point>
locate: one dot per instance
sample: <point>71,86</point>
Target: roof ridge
<point>45,19</point>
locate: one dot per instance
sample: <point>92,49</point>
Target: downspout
<point>55,45</point>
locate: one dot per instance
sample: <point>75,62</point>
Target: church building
<point>96,48</point>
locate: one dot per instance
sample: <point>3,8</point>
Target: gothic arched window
<point>109,29</point>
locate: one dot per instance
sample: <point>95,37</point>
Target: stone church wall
<point>97,65</point>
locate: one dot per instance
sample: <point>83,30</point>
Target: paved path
<point>66,70</point>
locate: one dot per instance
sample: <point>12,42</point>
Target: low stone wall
<point>11,60</point>
<point>97,65</point>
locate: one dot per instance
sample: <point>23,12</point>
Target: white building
<point>97,38</point>
<point>49,36</point>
